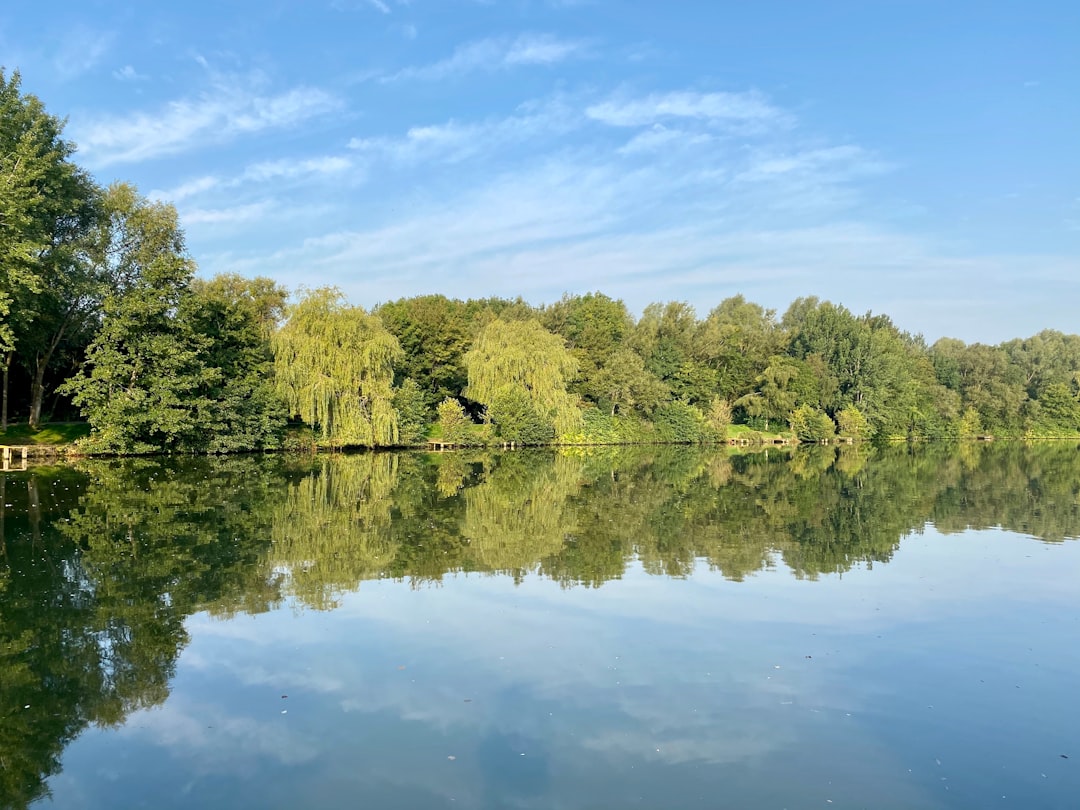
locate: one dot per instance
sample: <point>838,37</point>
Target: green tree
<point>811,425</point>
<point>736,339</point>
<point>45,206</point>
<point>454,423</point>
<point>236,316</point>
<point>524,355</point>
<point>144,385</point>
<point>625,382</point>
<point>774,398</point>
<point>516,420</point>
<point>409,402</point>
<point>851,423</point>
<point>595,328</point>
<point>434,333</point>
<point>334,367</point>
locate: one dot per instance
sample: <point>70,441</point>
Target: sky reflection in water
<point>942,678</point>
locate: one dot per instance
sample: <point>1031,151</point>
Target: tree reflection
<point>101,564</point>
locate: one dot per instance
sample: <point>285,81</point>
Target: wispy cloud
<point>269,171</point>
<point>232,106</point>
<point>497,54</point>
<point>380,6</point>
<point>232,215</point>
<point>454,141</point>
<point>81,50</point>
<point>732,108</point>
<point>128,74</point>
<point>189,189</point>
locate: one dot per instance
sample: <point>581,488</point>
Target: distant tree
<point>810,424</point>
<point>774,398</point>
<point>719,417</point>
<point>334,367</point>
<point>624,382</point>
<point>237,316</point>
<point>434,333</point>
<point>409,402</point>
<point>736,339</point>
<point>515,418</point>
<point>851,423</point>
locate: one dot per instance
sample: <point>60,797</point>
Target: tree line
<point>102,316</point>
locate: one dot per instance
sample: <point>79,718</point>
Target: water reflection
<point>102,565</point>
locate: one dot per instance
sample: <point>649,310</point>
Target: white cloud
<point>296,169</point>
<point>128,74</point>
<point>231,215</point>
<point>731,108</point>
<point>659,138</point>
<point>233,106</point>
<point>82,49</point>
<point>839,162</point>
<point>454,141</point>
<point>497,54</point>
<point>541,50</point>
<point>189,189</point>
<point>287,169</point>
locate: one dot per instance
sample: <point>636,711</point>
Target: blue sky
<point>913,158</point>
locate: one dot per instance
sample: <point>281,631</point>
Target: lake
<point>831,627</point>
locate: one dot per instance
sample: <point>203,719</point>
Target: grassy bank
<point>54,434</point>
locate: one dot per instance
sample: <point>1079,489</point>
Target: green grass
<point>54,433</point>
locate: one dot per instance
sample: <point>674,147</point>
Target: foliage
<point>515,418</point>
<point>43,198</point>
<point>236,316</point>
<point>145,387</point>
<point>811,425</point>
<point>851,423</point>
<point>334,367</point>
<point>680,423</point>
<point>409,402</point>
<point>525,355</point>
<point>434,333</point>
<point>625,382</point>
<point>719,417</point>
<point>454,424</point>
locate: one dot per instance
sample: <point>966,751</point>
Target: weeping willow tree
<point>522,513</point>
<point>515,356</point>
<point>334,366</point>
<point>332,530</point>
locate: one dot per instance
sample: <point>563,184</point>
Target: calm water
<point>658,629</point>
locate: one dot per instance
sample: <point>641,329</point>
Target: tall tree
<point>237,317</point>
<point>335,369</point>
<point>144,385</point>
<point>45,204</point>
<point>737,339</point>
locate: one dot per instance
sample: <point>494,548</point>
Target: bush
<point>852,423</point>
<point>516,420</point>
<point>680,423</point>
<point>811,425</point>
<point>454,424</point>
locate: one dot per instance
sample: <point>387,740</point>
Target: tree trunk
<point>4,407</point>
<point>37,394</point>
